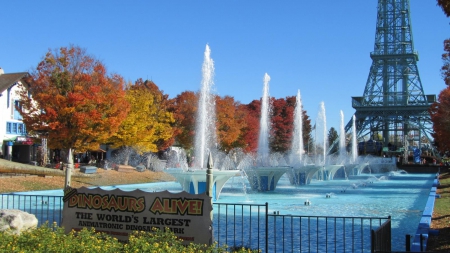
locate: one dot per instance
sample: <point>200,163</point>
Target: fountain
<point>193,180</point>
<point>298,174</point>
<point>266,172</point>
<point>265,169</point>
<point>354,141</point>
<point>321,166</point>
<point>342,149</point>
<point>297,149</point>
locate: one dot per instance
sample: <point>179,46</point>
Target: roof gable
<point>6,80</point>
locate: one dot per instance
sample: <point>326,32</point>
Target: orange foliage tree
<point>73,100</point>
<point>230,123</point>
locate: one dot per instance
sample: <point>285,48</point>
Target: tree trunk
<point>127,153</point>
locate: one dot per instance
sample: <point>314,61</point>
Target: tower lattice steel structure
<point>394,107</point>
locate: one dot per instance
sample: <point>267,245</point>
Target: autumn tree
<point>440,110</point>
<point>148,123</point>
<point>184,108</point>
<point>162,103</point>
<point>440,116</point>
<point>74,100</point>
<point>445,70</point>
<point>250,132</point>
<point>445,5</point>
<point>282,119</point>
<point>230,123</point>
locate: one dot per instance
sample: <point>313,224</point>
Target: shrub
<point>54,239</point>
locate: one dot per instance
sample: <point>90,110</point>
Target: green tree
<point>73,100</point>
<point>333,136</point>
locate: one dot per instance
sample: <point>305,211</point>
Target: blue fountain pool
<point>401,196</point>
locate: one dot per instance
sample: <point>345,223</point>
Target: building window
<point>16,128</point>
<point>17,115</point>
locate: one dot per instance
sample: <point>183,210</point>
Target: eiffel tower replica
<point>393,110</point>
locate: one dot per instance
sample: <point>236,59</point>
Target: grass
<point>441,217</point>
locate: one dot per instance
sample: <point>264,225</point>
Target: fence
<point>249,225</point>
<point>46,208</point>
<point>381,237</point>
<point>252,226</point>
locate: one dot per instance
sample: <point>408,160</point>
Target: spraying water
<point>297,149</point>
<point>205,137</point>
<point>354,143</point>
<point>321,125</point>
<point>263,141</point>
<point>342,137</point>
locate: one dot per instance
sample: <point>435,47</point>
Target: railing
<point>381,237</point>
<point>45,208</point>
<point>247,225</point>
<point>293,233</point>
<point>241,225</point>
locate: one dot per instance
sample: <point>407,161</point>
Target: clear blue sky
<point>319,47</point>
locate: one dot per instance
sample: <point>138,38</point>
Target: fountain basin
<point>265,178</point>
<point>330,171</point>
<point>302,175</point>
<point>194,180</point>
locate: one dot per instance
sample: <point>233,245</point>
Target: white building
<point>14,142</point>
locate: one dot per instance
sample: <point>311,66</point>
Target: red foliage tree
<point>184,108</point>
<point>440,116</point>
<point>445,70</point>
<point>282,119</point>
<point>250,132</point>
<point>445,5</point>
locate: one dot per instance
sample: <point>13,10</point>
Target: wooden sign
<point>118,213</point>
